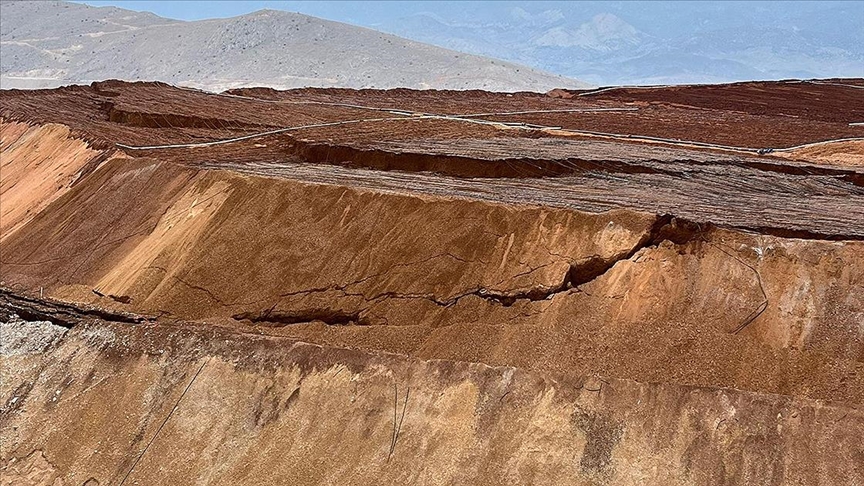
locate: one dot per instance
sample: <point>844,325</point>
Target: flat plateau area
<point>614,286</point>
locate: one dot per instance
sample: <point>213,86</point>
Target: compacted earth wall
<point>192,404</point>
<point>631,317</point>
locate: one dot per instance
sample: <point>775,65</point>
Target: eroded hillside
<point>641,258</point>
<point>50,43</point>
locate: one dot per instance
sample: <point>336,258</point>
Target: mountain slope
<point>52,43</point>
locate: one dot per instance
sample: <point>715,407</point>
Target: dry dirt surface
<point>618,286</point>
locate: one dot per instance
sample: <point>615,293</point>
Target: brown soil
<point>570,256</point>
<point>849,154</point>
<point>754,117</point>
<point>251,409</point>
<point>40,163</point>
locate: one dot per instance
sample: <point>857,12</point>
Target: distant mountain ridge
<point>605,32</point>
<point>46,44</point>
<point>609,43</point>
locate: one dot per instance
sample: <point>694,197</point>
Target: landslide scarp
<point>349,289</point>
<point>620,293</point>
<point>377,414</point>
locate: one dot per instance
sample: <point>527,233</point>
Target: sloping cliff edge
<point>117,403</point>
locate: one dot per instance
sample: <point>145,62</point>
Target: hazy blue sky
<point>357,12</point>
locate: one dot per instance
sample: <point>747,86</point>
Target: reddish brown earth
<point>658,275</point>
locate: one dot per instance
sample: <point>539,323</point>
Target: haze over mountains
<point>47,44</point>
<point>630,42</point>
<point>678,43</point>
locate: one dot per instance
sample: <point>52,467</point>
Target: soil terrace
<point>810,112</point>
<point>724,187</point>
<point>631,233</point>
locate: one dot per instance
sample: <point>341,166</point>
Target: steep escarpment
<point>40,163</point>
<point>620,293</point>
<point>378,251</point>
<point>303,286</point>
<point>335,415</point>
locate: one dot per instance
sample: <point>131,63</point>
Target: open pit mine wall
<point>161,238</point>
<point>40,163</point>
<point>109,403</point>
<point>621,293</point>
<point>631,294</point>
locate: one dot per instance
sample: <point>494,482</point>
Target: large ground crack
<point>60,313</point>
<point>665,228</point>
<point>274,318</point>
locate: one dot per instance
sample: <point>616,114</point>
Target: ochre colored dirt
<point>654,266</point>
<point>849,154</point>
<point>479,282</point>
<point>40,163</point>
<point>191,404</point>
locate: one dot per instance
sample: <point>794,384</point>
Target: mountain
<point>605,32</point>
<point>645,42</point>
<point>47,44</point>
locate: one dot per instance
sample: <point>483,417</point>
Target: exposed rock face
<point>729,345</point>
<point>265,410</point>
<point>621,293</point>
